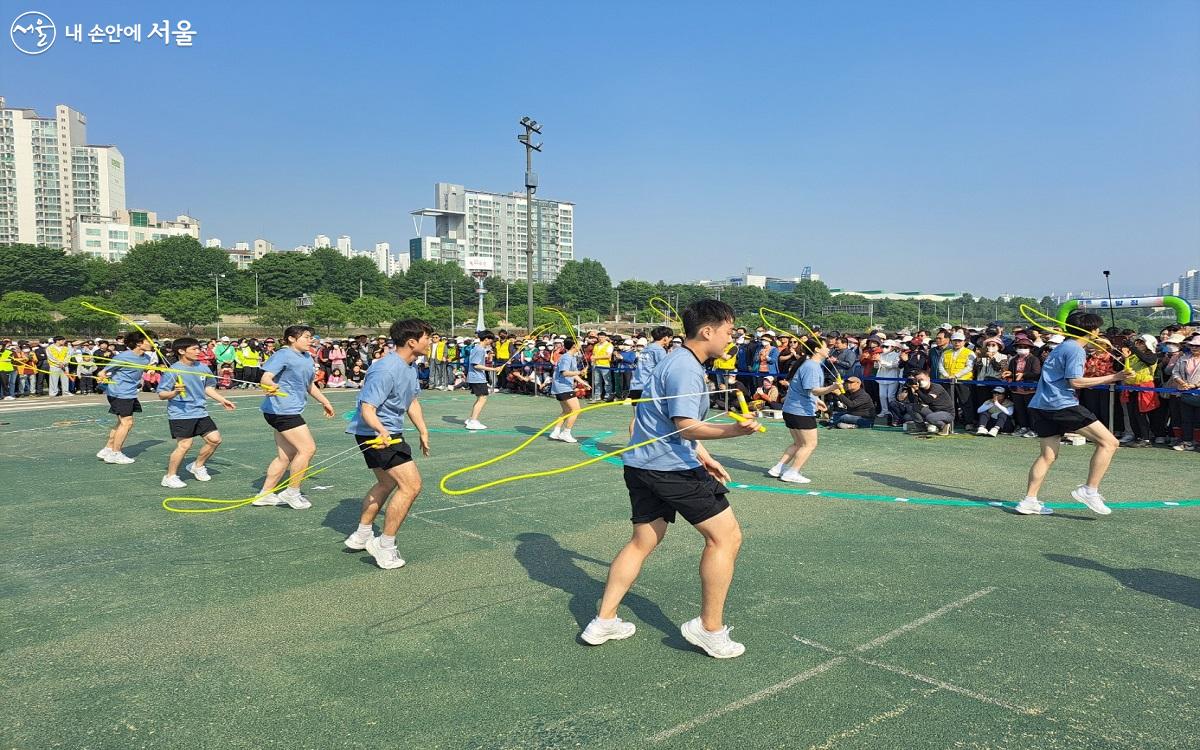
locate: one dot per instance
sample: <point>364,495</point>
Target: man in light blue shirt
<point>477,370</point>
<point>187,414</point>
<point>567,372</point>
<point>668,472</point>
<point>647,361</point>
<point>1055,411</point>
<point>125,370</point>
<point>388,393</point>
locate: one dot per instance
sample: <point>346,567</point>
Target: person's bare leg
<point>570,406</point>
<point>808,443</point>
<point>305,448</point>
<point>181,448</point>
<point>1106,447</point>
<point>118,434</point>
<point>279,464</point>
<point>790,452</point>
<point>628,564</point>
<point>477,409</point>
<point>1045,459</point>
<point>408,485</point>
<point>211,442</point>
<point>722,540</point>
<point>376,496</point>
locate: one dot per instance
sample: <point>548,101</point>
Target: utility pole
<point>217,281</point>
<point>526,139</point>
<point>451,308</point>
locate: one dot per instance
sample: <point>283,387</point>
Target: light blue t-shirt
<point>800,400</point>
<point>293,373</point>
<point>478,357</point>
<point>678,373</point>
<point>646,362</point>
<point>1054,389</point>
<point>391,386</point>
<point>126,380</point>
<point>191,404</point>
<point>562,383</point>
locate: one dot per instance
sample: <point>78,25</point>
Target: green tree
<point>187,308</point>
<point>173,263</point>
<point>277,313</point>
<point>25,312</point>
<point>433,280</point>
<point>899,315</point>
<point>810,297</point>
<point>371,312</point>
<point>341,275</point>
<point>100,276</point>
<point>326,311</point>
<point>79,319</point>
<point>42,270</point>
<point>635,295</point>
<point>582,284</point>
<point>286,275</point>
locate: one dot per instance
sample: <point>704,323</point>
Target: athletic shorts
<point>565,396</point>
<point>284,422</point>
<point>798,422</point>
<point>635,395</point>
<point>479,389</point>
<point>693,493</point>
<point>186,428</point>
<point>123,407</point>
<point>384,458</point>
<point>1060,421</point>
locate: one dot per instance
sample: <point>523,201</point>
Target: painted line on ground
<point>923,620</point>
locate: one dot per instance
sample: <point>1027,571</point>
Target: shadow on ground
<point>1164,584</point>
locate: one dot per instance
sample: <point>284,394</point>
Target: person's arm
<point>826,389</point>
<point>985,406</point>
<point>417,417</point>
<point>319,395</point>
<point>1005,407</point>
<point>215,395</point>
<point>168,388</point>
<point>1117,377</point>
<point>694,429</point>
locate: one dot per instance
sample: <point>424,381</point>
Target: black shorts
<point>186,428</point>
<point>634,395</point>
<point>479,389</point>
<point>1060,421</point>
<point>693,493</point>
<point>565,396</point>
<point>384,458</point>
<point>123,407</point>
<point>797,422</point>
<point>284,422</point>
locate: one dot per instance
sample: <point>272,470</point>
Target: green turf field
<point>869,621</point>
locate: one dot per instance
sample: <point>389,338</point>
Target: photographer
<point>852,406</point>
<point>925,404</point>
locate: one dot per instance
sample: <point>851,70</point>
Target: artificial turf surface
<point>869,622</point>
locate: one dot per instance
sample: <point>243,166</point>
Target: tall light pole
<point>256,291</point>
<point>451,308</point>
<point>507,286</point>
<point>526,139</point>
<point>1112,313</point>
<point>217,281</point>
<point>425,294</point>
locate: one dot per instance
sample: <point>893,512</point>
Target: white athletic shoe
<point>474,424</point>
<point>117,457</point>
<point>795,477</point>
<point>104,453</point>
<point>931,429</point>
<point>775,471</point>
<point>199,472</point>
<point>1033,508</point>
<point>269,499</point>
<point>554,434</point>
<point>994,432</point>
<point>598,632</point>
<point>1091,499</point>
<point>566,437</point>
<point>294,499</point>
<point>173,481</point>
<point>358,541</point>
<point>982,430</point>
<point>717,645</point>
<point>385,557</point>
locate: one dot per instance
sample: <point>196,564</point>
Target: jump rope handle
<point>745,416</point>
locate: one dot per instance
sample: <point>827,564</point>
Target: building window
<point>92,231</point>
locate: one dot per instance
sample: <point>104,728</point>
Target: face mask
<point>1171,348</point>
<point>925,384</point>
<point>1022,352</point>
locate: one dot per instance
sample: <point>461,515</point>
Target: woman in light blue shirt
<point>566,375</point>
<point>287,377</point>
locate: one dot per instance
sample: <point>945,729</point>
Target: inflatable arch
<point>1184,314</point>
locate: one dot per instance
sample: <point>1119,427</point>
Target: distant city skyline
<point>1017,148</point>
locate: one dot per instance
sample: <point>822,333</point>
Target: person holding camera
<point>925,404</point>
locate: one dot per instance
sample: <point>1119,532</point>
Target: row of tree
<point>178,279</point>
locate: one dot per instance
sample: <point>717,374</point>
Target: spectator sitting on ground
<point>994,413</point>
<point>852,406</point>
<point>768,393</point>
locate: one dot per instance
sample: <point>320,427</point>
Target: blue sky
<point>979,146</point>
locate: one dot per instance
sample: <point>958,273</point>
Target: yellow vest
<point>502,349</point>
<point>602,354</point>
<point>953,361</point>
<point>246,357</point>
<point>57,356</point>
<point>6,364</point>
<point>726,363</point>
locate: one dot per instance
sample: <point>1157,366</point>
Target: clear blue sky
<point>981,146</point>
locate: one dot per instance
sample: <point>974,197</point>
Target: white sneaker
<point>358,541</point>
<point>269,499</point>
<point>10,398</point>
<point>554,434</point>
<point>982,430</point>
<point>294,499</point>
<point>1093,500</point>
<point>598,632</point>
<point>173,481</point>
<point>199,472</point>
<point>104,453</point>
<point>474,424</point>
<point>775,471</point>
<point>1029,507</point>
<point>117,457</point>
<point>717,645</point>
<point>994,432</point>
<point>567,437</point>
<point>931,429</point>
<point>795,477</point>
<point>385,557</point>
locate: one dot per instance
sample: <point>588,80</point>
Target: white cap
<point>1150,342</point>
<point>642,341</point>
<point>1056,339</point>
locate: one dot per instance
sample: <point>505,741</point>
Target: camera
<point>911,382</point>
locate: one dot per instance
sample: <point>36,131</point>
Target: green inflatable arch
<point>1184,314</point>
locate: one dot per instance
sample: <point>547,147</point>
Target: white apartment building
<point>212,242</point>
<point>49,175</point>
<point>344,247</point>
<point>110,237</point>
<point>1187,286</point>
<point>321,241</point>
<point>479,223</point>
<point>262,247</point>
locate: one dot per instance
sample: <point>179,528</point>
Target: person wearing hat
<point>958,364</point>
<point>1023,367</point>
<point>768,393</point>
<point>994,413</point>
<point>1141,362</point>
<point>1185,376</point>
<point>226,354</point>
<point>888,371</point>
<point>852,406</point>
<point>602,352</point>
<point>8,371</point>
<point>1056,410</point>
